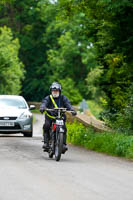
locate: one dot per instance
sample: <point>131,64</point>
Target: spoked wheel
<point>59,147</point>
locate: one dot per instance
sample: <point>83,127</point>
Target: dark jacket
<point>62,102</point>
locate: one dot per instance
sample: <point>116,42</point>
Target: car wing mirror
<point>32,107</point>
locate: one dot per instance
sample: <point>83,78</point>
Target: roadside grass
<point>34,119</point>
<point>94,108</point>
<point>35,111</point>
<point>115,144</point>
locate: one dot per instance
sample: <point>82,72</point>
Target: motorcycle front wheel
<point>59,147</point>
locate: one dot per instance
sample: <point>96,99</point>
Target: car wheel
<point>27,134</point>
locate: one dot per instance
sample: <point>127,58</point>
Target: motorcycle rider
<point>56,99</point>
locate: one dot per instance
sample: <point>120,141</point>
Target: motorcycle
<point>57,132</point>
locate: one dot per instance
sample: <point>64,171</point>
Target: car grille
<point>9,118</point>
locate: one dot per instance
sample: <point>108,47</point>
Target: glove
<point>74,113</point>
<point>42,110</point>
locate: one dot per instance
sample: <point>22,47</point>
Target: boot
<point>65,148</point>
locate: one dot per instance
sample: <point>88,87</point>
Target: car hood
<point>12,112</point>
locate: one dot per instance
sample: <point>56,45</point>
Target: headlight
<point>25,116</point>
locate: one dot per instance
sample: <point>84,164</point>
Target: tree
<point>24,19</point>
<point>11,69</point>
<point>70,91</point>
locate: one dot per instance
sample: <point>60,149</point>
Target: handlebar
<point>59,109</point>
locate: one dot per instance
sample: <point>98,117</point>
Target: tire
<point>28,134</point>
<point>59,147</point>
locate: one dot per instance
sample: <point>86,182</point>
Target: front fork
<point>59,129</point>
<point>55,137</point>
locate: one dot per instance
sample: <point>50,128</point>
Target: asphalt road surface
<point>26,173</point>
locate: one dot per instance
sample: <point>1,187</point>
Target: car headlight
<point>25,116</point>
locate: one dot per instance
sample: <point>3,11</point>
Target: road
<point>26,173</point>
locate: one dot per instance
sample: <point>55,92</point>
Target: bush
<point>111,143</point>
<point>121,120</point>
<point>75,133</point>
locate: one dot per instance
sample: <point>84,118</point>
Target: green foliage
<point>124,117</point>
<point>70,90</point>
<point>74,55</point>
<point>75,133</point>
<point>11,69</point>
<point>111,31</point>
<point>110,143</point>
<point>93,81</point>
<point>95,107</point>
<point>89,43</point>
<point>35,111</point>
<point>25,20</point>
<point>70,58</point>
<point>115,43</point>
<point>117,75</point>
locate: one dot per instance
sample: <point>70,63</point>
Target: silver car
<point>15,115</point>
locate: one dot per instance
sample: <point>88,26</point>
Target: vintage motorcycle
<point>57,132</point>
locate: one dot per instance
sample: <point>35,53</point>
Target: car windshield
<point>18,103</point>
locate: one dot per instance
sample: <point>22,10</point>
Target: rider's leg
<point>46,128</point>
<point>65,139</point>
<point>46,140</point>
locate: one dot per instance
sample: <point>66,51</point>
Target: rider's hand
<point>74,113</point>
<point>42,110</point>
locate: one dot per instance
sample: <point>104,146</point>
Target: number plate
<point>60,122</point>
<point>6,123</point>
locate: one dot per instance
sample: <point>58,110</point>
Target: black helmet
<point>55,86</point>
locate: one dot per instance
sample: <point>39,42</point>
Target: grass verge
<point>36,111</point>
<point>115,144</point>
